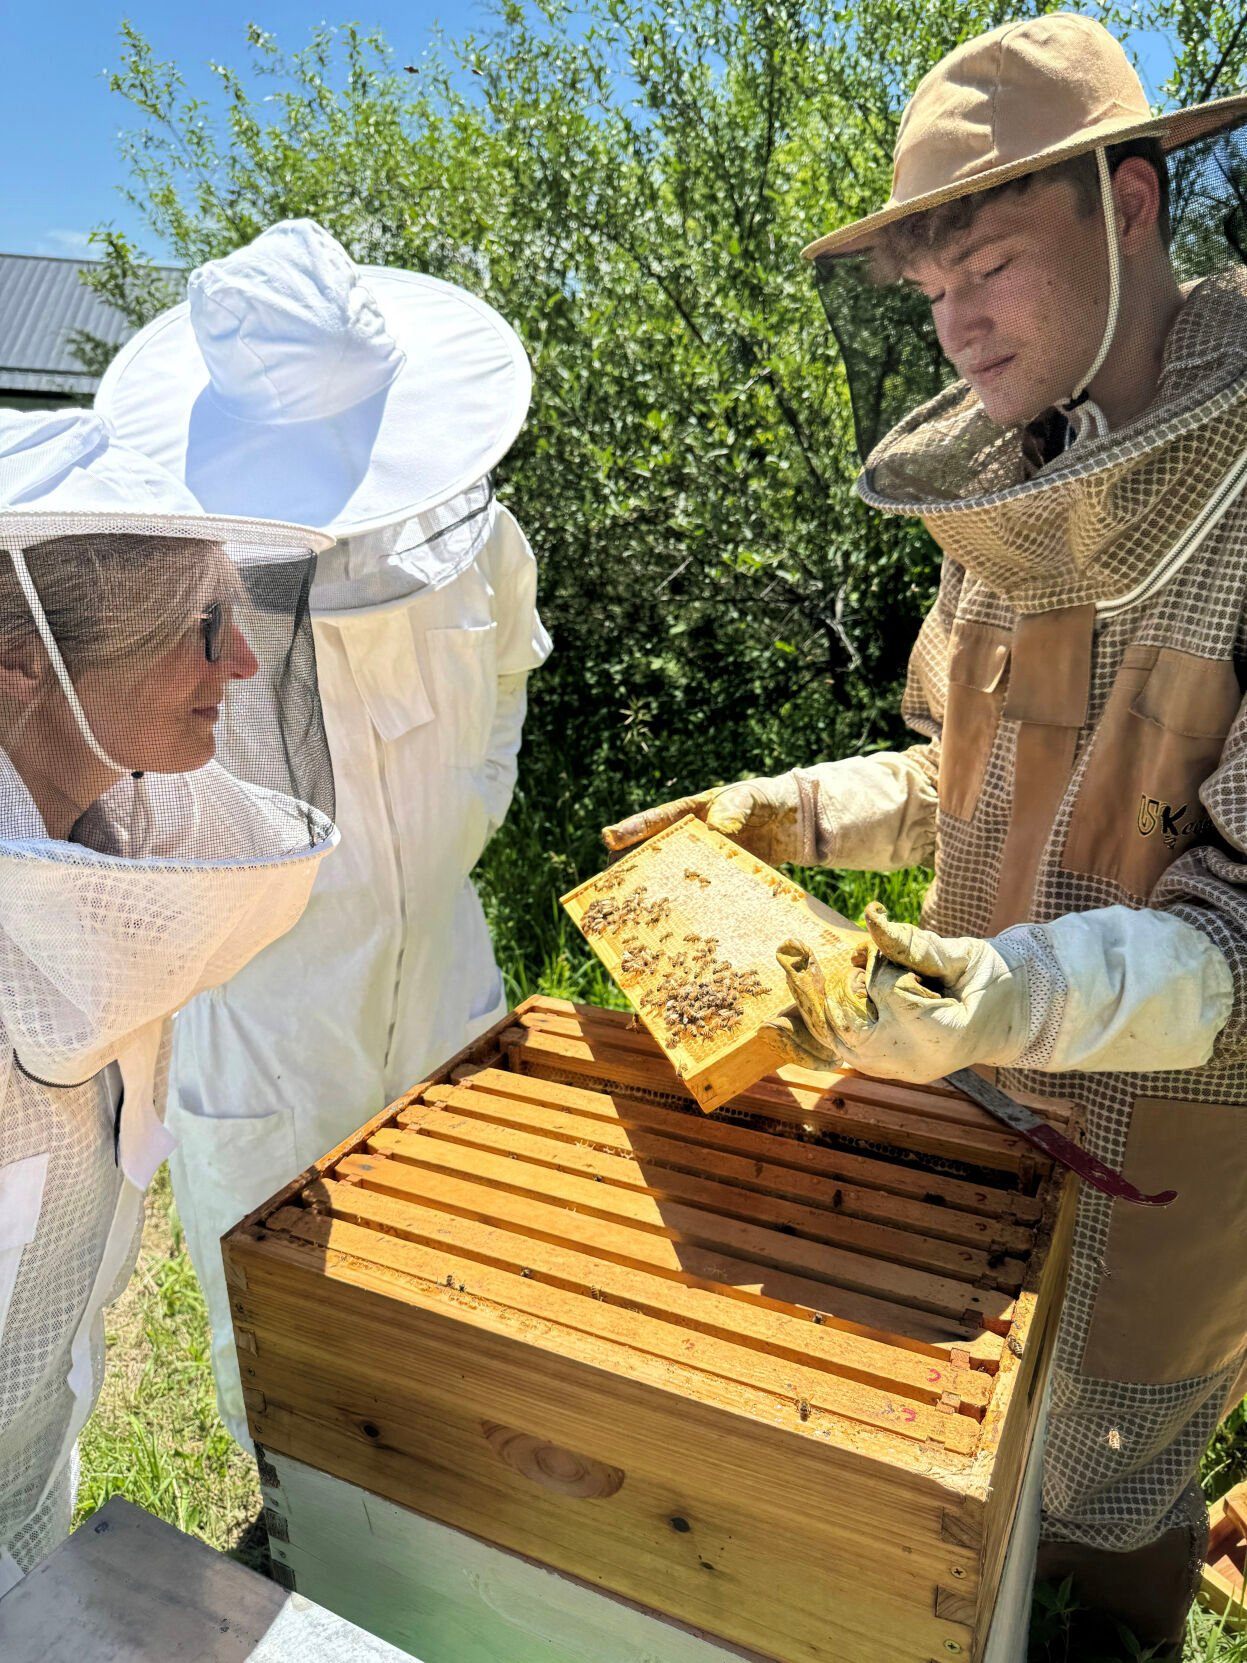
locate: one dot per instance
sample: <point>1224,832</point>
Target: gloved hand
<point>874,813</point>
<point>894,1023</point>
<point>761,815</point>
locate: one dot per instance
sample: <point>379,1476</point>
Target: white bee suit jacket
<point>391,968</point>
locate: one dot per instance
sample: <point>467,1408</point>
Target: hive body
<point>775,1383</point>
<point>688,925</point>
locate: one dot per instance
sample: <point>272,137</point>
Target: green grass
<point>155,1436</point>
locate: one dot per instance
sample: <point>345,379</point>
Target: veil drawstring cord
<point>1084,415</point>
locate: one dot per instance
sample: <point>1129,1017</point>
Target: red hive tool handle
<point>1035,1129</point>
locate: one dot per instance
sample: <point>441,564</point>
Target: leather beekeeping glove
<point>873,813</point>
<point>1116,988</point>
<point>761,815</point>
<point>926,1005</point>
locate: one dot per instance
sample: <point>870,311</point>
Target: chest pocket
<point>977,660</point>
<point>464,675</point>
<point>1161,736</point>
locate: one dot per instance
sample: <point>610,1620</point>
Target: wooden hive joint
<point>954,1606</point>
<point>960,1529</point>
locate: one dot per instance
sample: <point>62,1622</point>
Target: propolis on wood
<point>688,925</point>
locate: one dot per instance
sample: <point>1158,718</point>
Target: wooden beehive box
<point>771,1373</point>
<point>688,925</point>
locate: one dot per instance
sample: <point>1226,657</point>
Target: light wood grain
<point>917,1414</point>
<point>787,1569</point>
<point>528,1228</point>
<point>478,1114</point>
<point>561,1312</point>
<point>544,1202</point>
<point>688,886</point>
<point>471,1255</point>
<point>821,1219</point>
<point>1223,1587</point>
<point>844,1104</point>
<point>993,1199</point>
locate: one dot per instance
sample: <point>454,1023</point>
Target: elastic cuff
<point>1028,952</point>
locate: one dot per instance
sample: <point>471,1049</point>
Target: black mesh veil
<point>883,326</point>
<point>158,694</point>
<point>165,786</point>
<point>887,344</point>
<point>1208,204</point>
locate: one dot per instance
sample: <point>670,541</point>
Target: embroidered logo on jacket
<point>1172,823</point>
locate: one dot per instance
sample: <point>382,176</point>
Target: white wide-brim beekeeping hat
<point>294,385</point>
<point>66,461</point>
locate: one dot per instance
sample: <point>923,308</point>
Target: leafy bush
<point>630,184</point>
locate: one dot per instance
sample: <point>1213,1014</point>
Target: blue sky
<point>58,140</point>
<point>58,145</point>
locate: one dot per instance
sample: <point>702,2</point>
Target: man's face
<point>1020,299</point>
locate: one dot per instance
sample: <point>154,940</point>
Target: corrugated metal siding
<point>43,302</point>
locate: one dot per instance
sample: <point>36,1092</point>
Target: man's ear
<point>1136,192</point>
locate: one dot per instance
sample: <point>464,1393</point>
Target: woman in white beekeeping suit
<point>373,403</point>
<point>165,795</point>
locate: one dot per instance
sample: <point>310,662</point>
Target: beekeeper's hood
<point>1046,505</point>
<point>165,787</point>
<point>371,402</point>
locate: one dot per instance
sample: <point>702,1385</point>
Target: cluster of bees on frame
<point>698,994</point>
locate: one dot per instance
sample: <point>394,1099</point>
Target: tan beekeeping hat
<point>1012,101</point>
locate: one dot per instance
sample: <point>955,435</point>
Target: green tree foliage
<point>631,186</point>
<point>629,183</point>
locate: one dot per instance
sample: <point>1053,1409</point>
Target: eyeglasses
<point>213,621</point>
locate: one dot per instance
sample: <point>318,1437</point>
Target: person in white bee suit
<point>165,800</point>
<point>374,403</point>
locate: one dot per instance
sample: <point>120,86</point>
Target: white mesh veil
<point>165,788</point>
<point>165,800</point>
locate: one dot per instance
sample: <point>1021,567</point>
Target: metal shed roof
<point>42,302</point>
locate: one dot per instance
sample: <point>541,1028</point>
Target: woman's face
<point>158,713</point>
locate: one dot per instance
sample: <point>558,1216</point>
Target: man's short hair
<point>929,232</point>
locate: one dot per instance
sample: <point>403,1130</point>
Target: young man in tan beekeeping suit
<point>1082,792</point>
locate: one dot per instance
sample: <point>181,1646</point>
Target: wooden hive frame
<point>689,912</point>
<point>776,1384</point>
